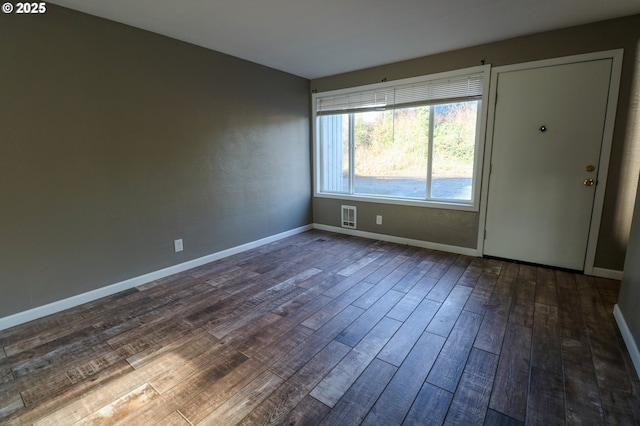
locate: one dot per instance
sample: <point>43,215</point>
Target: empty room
<point>320,213</point>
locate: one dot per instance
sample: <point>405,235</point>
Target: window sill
<point>448,205</point>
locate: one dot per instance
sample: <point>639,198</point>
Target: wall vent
<point>349,217</point>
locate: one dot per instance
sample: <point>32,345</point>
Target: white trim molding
<point>399,240</point>
<point>607,273</point>
<point>632,347</point>
<point>70,302</point>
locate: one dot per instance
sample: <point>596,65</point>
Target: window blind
<point>419,93</point>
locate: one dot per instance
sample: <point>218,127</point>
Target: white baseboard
<point>399,240</point>
<point>607,273</point>
<point>632,347</point>
<point>61,305</point>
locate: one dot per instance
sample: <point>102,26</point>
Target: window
<point>415,140</point>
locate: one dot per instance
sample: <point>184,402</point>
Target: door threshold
<point>537,265</point>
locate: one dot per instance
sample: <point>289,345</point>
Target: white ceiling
<point>325,37</point>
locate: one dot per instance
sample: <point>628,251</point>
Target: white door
<point>547,137</point>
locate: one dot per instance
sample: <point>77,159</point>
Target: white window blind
<point>444,90</point>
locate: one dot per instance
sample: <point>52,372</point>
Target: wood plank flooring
<point>326,329</point>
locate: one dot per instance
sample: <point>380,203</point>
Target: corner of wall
<point>632,347</point>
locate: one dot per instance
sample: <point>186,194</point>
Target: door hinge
<point>485,234</point>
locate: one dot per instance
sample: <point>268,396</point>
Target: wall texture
<point>460,228</point>
<point>629,300</point>
<point>116,141</point>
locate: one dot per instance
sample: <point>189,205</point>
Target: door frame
<point>605,150</point>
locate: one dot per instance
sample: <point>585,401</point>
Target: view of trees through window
<point>394,154</point>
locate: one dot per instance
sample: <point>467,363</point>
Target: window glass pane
<point>412,139</point>
<point>391,152</point>
<point>454,142</point>
<point>334,153</point>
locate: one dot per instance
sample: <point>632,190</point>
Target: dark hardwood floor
<point>328,329</point>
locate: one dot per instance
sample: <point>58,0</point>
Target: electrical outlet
<point>177,245</point>
<point>379,219</point>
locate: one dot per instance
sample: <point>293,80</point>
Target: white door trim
<point>605,152</point>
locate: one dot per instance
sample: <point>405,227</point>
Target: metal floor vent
<point>349,217</point>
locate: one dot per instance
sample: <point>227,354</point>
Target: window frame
<point>474,204</point>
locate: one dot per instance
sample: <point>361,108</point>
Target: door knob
<point>589,182</point>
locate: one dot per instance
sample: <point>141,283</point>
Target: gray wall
<point>629,300</point>
<point>460,228</point>
<point>116,141</point>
